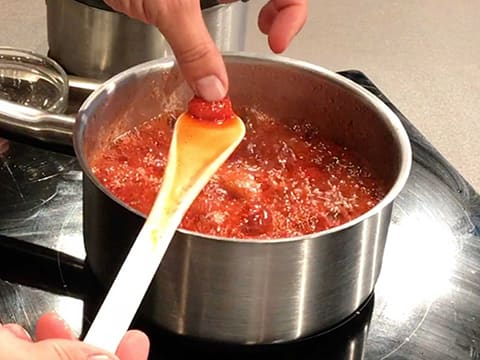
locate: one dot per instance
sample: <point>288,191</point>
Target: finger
<point>196,53</point>
<point>266,17</point>
<point>52,326</point>
<point>61,349</point>
<point>4,146</point>
<point>134,346</point>
<point>133,9</point>
<point>283,20</point>
<point>18,331</point>
<point>13,347</point>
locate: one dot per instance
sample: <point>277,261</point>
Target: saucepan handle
<point>36,124</point>
<point>81,85</point>
<point>54,131</point>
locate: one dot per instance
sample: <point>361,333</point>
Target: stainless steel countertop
<point>424,55</point>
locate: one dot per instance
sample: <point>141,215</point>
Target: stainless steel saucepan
<point>239,291</point>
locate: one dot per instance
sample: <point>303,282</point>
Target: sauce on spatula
<point>203,138</point>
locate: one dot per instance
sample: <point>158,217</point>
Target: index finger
<point>52,326</point>
<point>196,53</point>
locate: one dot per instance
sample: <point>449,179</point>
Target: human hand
<point>181,22</point>
<point>55,341</point>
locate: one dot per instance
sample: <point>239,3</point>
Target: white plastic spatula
<point>198,148</point>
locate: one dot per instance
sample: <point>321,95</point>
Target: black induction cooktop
<point>426,304</point>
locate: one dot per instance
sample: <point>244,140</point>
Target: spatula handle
<point>117,311</point>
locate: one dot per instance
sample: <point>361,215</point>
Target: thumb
<point>59,349</point>
<point>197,55</point>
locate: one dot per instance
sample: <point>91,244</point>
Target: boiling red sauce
<point>280,182</point>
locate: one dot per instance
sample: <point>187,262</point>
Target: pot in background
<point>91,40</point>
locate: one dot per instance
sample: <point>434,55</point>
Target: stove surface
<point>426,304</point>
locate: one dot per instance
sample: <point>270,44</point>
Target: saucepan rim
<point>392,120</point>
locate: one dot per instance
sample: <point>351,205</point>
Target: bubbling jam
<point>280,182</point>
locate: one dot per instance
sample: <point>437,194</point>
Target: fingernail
<point>18,331</point>
<point>210,88</point>
<point>101,357</point>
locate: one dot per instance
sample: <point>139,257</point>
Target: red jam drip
<point>290,184</point>
<point>218,111</point>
